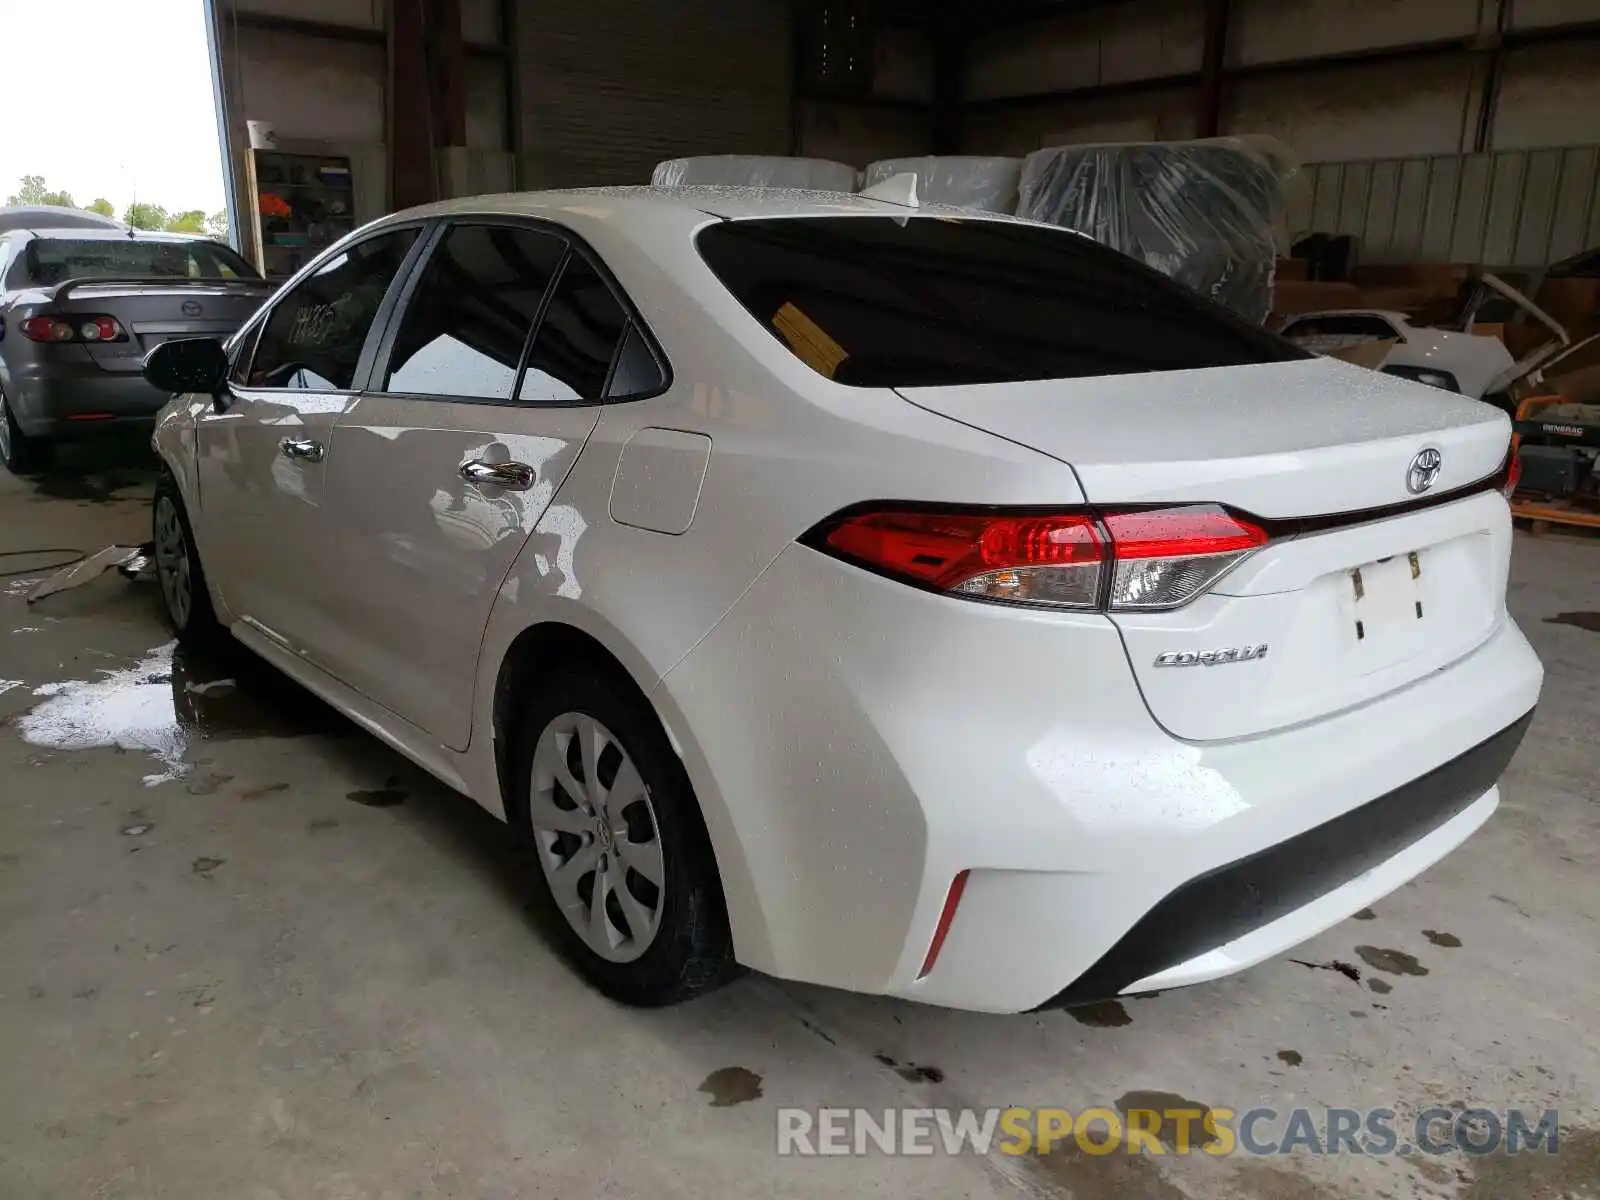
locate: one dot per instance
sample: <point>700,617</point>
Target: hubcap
<point>596,835</point>
<point>5,431</point>
<point>172,562</point>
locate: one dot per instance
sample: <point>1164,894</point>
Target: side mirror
<point>188,365</point>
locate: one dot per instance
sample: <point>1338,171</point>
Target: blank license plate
<point>1387,596</point>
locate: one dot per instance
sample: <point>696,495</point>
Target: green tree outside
<point>33,191</point>
<point>139,214</point>
<point>142,215</point>
<point>192,221</point>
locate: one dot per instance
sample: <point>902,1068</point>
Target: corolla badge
<point>1424,470</point>
<point>1211,658</point>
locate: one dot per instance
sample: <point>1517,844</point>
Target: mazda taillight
<point>73,328</point>
<point>1119,560</point>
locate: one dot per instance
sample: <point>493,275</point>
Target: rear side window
<point>572,352</point>
<point>50,260</point>
<point>313,338</point>
<point>469,318</point>
<point>638,373</point>
<point>925,301</point>
<point>1323,335</point>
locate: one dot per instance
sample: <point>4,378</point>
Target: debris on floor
<point>133,561</point>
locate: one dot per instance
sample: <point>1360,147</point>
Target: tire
<point>184,595</point>
<point>658,943</point>
<point>21,454</point>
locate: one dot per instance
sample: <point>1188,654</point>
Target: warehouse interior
<point>1503,95</point>
<point>306,969</point>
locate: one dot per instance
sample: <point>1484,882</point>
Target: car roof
<point>692,202</point>
<point>51,216</point>
<point>125,234</point>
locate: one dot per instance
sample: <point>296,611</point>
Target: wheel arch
<point>551,643</point>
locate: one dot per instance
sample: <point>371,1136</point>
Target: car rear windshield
<point>49,261</point>
<point>924,301</point>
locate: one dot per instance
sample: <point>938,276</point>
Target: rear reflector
<point>951,900</point>
<point>91,416</point>
<point>1141,559</point>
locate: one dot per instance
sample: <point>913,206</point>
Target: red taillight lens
<point>73,328</point>
<point>1155,559</point>
<point>1052,559</point>
<point>1513,473</point>
<point>47,329</point>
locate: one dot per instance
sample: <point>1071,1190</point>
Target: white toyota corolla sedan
<point>904,600</point>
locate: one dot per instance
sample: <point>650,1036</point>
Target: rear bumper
<point>1188,935</point>
<point>61,401</point>
<point>856,744</point>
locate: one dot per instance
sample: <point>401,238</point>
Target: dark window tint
<point>49,260</point>
<point>896,302</point>
<point>246,346</point>
<point>314,335</point>
<point>577,339</point>
<point>638,373</point>
<point>1324,334</point>
<point>469,318</point>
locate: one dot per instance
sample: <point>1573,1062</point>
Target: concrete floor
<point>303,970</point>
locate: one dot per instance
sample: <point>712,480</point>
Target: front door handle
<point>513,476</point>
<point>304,449</point>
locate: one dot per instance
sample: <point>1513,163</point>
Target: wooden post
<point>1209,118</point>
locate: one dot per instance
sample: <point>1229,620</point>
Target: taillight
<point>1511,473</point>
<point>71,327</point>
<point>1166,557</point>
<point>1137,560</point>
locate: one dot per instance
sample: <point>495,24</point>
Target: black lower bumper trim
<point>1232,900</point>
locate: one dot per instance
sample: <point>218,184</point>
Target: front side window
<point>873,301</point>
<point>470,315</point>
<point>52,260</point>
<point>572,352</point>
<point>313,338</point>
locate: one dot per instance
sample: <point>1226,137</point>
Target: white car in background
<point>1442,358</point>
<point>1456,360</point>
<point>911,601</point>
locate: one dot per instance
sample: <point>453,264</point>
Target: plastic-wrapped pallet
<point>985,184</point>
<point>1203,212</point>
<point>751,170</point>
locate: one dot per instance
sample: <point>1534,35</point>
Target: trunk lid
<point>1348,609</point>
<point>158,311</point>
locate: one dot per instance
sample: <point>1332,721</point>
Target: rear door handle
<point>304,449</point>
<point>513,476</point>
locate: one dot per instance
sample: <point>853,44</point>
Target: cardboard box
<point>1573,303</point>
<point>1291,296</point>
<point>1430,277</point>
<point>1582,385</point>
<point>1368,354</point>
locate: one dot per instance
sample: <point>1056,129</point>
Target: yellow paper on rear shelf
<point>809,341</point>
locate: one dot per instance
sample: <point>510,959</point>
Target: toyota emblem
<point>191,308</point>
<point>1424,471</point>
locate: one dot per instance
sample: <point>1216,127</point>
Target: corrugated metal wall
<point>611,87</point>
<point>1522,208</point>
